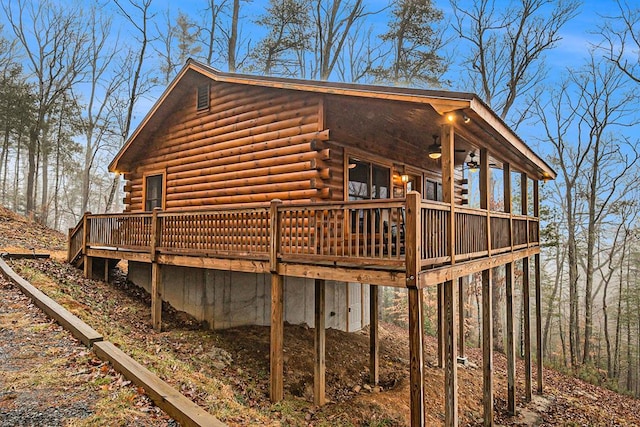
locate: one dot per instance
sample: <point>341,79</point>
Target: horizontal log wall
<point>251,146</point>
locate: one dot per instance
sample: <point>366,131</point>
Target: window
<point>153,192</point>
<point>433,190</point>
<point>203,97</point>
<point>368,180</point>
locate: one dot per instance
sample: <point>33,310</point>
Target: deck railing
<point>366,233</point>
<point>229,232</point>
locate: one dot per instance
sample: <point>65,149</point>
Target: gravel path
<point>48,378</point>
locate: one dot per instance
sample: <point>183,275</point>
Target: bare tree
<point>578,120</point>
<point>621,39</point>
<point>209,27</point>
<point>506,47</point>
<point>103,83</point>
<point>138,80</point>
<point>333,21</point>
<point>53,41</point>
<point>179,42</point>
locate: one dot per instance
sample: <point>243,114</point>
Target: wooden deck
<point>351,241</point>
<point>409,243</point>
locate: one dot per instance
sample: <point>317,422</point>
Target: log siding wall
<point>251,145</point>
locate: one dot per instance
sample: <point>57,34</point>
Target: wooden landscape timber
<point>179,407</point>
<point>291,178</point>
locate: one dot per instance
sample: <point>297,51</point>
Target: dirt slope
<point>227,371</point>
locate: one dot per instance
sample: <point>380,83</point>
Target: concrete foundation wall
<point>227,298</point>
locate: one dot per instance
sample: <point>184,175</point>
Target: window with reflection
<point>368,180</point>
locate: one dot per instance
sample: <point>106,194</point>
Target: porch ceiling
<point>403,131</point>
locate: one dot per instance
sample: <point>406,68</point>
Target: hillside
<point>227,371</point>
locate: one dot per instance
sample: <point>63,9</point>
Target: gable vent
<point>203,97</point>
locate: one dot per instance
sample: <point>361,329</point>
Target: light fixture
<point>434,149</point>
<point>472,164</point>
<point>404,178</point>
<point>451,116</point>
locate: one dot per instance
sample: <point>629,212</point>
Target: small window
<point>433,190</point>
<point>153,192</point>
<point>203,97</point>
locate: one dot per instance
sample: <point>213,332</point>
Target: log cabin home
<point>260,200</point>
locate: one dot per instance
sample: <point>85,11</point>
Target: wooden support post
<point>412,260</point>
<point>527,328</point>
<point>440,320</point>
<point>276,390</point>
<point>539,344</point>
<point>461,338</point>
<point>374,364</point>
<point>526,294</point>
<point>156,296</point>
<point>538,285</point>
<point>416,361</point>
<point>320,364</point>
<point>88,267</point>
<point>156,273</point>
<point>451,356</point>
<point>106,270</point>
<point>88,262</point>
<point>276,352</point>
<point>487,348</point>
<point>511,342</point>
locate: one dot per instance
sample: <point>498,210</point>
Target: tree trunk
<point>4,160</point>
<point>233,38</point>
<point>32,147</point>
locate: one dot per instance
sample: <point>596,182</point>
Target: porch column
<point>276,340</point>
<point>156,273</point>
<point>511,342</point>
<point>414,297</point>
<point>373,336</point>
<point>526,294</point>
<point>487,315</point>
<point>319,365</point>
<point>450,287</point>
<point>539,349</point>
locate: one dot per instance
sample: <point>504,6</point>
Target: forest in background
<point>76,78</point>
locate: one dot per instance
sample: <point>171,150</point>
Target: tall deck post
<point>450,287</point>
<point>511,345</point>
<point>414,295</point>
<point>487,348</point>
<point>462,281</point>
<point>88,261</point>
<point>510,330</point>
<point>440,318</point>
<point>374,365</point>
<point>526,296</point>
<point>276,342</point>
<point>538,285</point>
<point>487,300</point>
<point>319,345</point>
<point>156,274</point>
